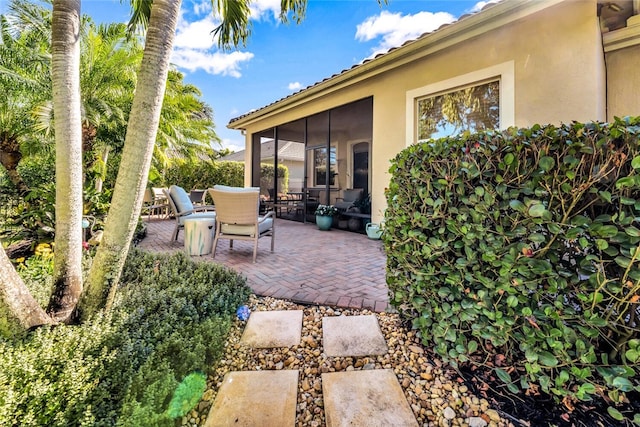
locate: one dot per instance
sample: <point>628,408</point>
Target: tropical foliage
<point>522,246</point>
<point>128,367</point>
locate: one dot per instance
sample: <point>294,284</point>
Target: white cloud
<point>196,34</point>
<point>226,64</point>
<point>294,86</point>
<point>202,7</point>
<point>195,48</point>
<point>395,28</point>
<point>260,8</point>
<point>234,145</point>
<point>478,6</point>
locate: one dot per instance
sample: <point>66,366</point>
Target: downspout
<point>604,64</point>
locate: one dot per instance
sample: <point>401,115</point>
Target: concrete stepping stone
<point>352,336</point>
<point>256,398</point>
<point>365,399</point>
<point>271,329</point>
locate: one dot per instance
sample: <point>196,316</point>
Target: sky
<point>280,59</point>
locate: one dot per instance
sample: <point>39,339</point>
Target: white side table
<point>198,233</point>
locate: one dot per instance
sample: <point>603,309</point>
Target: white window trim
<point>505,72</point>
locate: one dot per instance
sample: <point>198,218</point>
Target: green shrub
<point>37,274</point>
<point>191,175</point>
<point>170,319</point>
<point>207,174</point>
<point>524,243</point>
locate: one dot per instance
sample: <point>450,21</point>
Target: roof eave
<point>465,28</point>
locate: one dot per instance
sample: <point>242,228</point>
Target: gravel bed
<point>437,395</point>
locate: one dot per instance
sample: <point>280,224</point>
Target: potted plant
<point>324,216</point>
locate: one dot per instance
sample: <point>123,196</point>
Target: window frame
<point>504,73</point>
<point>314,167</point>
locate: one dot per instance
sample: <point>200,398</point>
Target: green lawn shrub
<point>204,175</point>
<point>524,244</point>
<point>169,323</point>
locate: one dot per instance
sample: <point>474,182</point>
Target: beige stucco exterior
<point>549,56</point>
<point>622,49</point>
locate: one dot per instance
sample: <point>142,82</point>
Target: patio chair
<point>197,196</point>
<point>237,216</point>
<point>349,198</point>
<point>183,208</point>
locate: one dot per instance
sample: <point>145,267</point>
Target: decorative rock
<point>416,349</point>
<point>493,415</point>
<point>449,413</point>
<point>426,376</point>
<point>429,386</point>
<point>476,422</point>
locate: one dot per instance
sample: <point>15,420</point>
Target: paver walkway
<point>358,398</point>
<point>308,266</point>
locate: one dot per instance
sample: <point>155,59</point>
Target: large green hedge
<point>524,243</point>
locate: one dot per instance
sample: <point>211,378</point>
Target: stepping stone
<point>352,336</point>
<point>271,329</point>
<point>256,398</point>
<point>365,398</point>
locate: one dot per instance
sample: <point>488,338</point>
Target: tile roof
<point>366,61</point>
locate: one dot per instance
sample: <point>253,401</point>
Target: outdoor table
<point>198,233</point>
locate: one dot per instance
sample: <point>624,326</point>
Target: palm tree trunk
<point>10,156</point>
<point>65,74</point>
<point>18,310</point>
<point>130,185</point>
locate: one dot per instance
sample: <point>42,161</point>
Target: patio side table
<point>198,233</point>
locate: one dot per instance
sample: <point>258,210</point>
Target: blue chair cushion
<point>180,198</point>
<point>198,215</point>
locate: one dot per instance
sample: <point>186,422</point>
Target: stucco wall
<point>558,69</point>
<point>623,76</point>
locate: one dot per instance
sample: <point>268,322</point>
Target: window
<point>473,108</point>
<point>320,162</point>
<point>482,99</point>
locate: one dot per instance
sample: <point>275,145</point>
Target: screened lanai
<point>319,159</point>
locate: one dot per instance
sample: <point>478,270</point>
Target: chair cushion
<point>236,189</point>
<point>180,198</point>
<point>352,195</point>
<point>246,230</point>
<point>199,215</point>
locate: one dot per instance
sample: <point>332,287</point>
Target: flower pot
<point>324,222</point>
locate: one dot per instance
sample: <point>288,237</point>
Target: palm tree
<point>24,67</point>
<point>141,133</point>
<point>138,148</point>
<point>65,76</point>
<point>136,159</point>
<point>186,129</point>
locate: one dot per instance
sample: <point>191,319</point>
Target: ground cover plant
<point>144,363</point>
<point>518,252</point>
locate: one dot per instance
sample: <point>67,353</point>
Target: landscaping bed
<point>140,364</point>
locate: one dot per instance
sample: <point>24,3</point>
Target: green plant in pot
<point>324,216</point>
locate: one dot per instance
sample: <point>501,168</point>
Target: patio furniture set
<point>234,216</point>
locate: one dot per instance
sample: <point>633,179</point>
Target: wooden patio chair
<point>183,208</point>
<point>237,216</point>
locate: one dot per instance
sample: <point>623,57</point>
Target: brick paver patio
<point>308,266</point>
